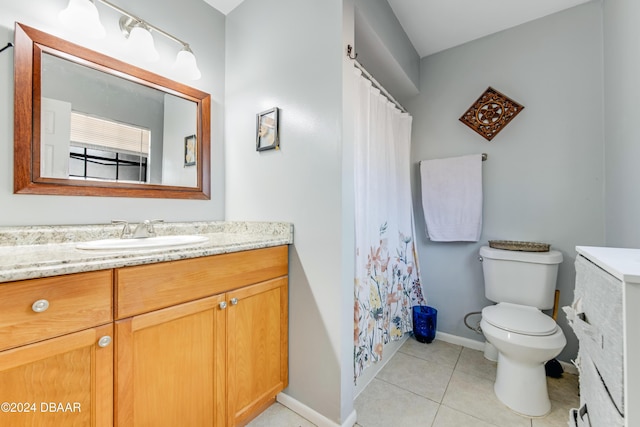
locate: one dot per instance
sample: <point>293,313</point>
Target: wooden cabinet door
<point>257,348</point>
<point>170,366</point>
<point>64,381</point>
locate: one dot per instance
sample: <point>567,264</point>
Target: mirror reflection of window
<point>86,163</point>
<point>107,150</point>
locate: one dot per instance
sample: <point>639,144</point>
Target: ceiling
<point>224,6</point>
<point>436,25</point>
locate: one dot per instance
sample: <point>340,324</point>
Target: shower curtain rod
<point>378,86</point>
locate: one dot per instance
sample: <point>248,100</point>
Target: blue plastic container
<point>424,323</point>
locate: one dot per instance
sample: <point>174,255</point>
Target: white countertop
<point>621,263</point>
<point>33,252</point>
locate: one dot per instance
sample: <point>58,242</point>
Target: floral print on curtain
<point>387,282</point>
<point>391,279</point>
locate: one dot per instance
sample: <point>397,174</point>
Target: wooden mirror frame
<point>29,46</point>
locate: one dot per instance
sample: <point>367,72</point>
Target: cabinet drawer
<point>145,288</point>
<point>600,408</point>
<point>598,295</point>
<point>75,302</point>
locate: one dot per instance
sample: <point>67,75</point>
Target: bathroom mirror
<point>88,124</point>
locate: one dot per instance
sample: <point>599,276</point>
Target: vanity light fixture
<point>82,15</point>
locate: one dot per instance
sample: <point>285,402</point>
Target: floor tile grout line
<point>476,374</point>
<point>423,358</point>
<point>436,415</point>
<point>427,360</point>
<point>472,375</point>
<point>470,415</point>
<point>407,390</point>
<point>455,366</point>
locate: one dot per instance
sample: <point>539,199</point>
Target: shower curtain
<point>387,282</point>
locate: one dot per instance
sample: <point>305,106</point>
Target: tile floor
<point>438,385</point>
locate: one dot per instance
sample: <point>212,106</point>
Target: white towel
<point>452,198</point>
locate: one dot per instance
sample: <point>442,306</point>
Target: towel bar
<point>485,156</point>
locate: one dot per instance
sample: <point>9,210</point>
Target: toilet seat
<point>520,319</point>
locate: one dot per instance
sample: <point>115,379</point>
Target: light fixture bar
<point>143,22</point>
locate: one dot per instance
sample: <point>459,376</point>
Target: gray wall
<point>385,50</point>
<point>192,20</point>
<point>288,54</point>
<point>622,134</point>
<point>544,179</point>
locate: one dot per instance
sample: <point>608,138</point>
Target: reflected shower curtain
<point>387,282</point>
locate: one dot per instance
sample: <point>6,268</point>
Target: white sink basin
<point>143,243</point>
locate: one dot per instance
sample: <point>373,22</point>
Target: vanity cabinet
<point>56,358</point>
<point>194,342</point>
<point>203,341</point>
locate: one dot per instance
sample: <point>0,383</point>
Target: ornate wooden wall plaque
<point>490,113</point>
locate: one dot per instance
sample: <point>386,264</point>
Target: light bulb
<point>140,44</point>
<point>185,64</point>
<point>82,16</point>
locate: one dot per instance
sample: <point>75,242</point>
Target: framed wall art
<point>267,137</point>
<point>491,112</point>
<point>190,145</point>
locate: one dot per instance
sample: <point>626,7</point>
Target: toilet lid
<point>520,319</point>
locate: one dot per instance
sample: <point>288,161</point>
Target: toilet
<point>522,284</point>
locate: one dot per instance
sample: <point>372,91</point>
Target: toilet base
<point>490,351</point>
<point>522,387</point>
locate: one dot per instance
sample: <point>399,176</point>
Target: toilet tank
<point>527,278</point>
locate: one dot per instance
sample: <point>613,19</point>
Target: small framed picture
<point>267,130</point>
<point>190,145</point>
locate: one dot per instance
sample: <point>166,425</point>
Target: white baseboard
<point>313,416</point>
<point>465,342</point>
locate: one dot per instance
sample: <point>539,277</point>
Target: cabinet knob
<point>223,305</point>
<point>234,301</point>
<point>40,305</point>
<point>104,341</point>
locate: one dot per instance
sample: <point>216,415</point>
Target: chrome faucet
<point>142,230</point>
<point>126,230</point>
<point>145,229</point>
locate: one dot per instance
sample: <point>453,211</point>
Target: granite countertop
<point>44,251</point>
